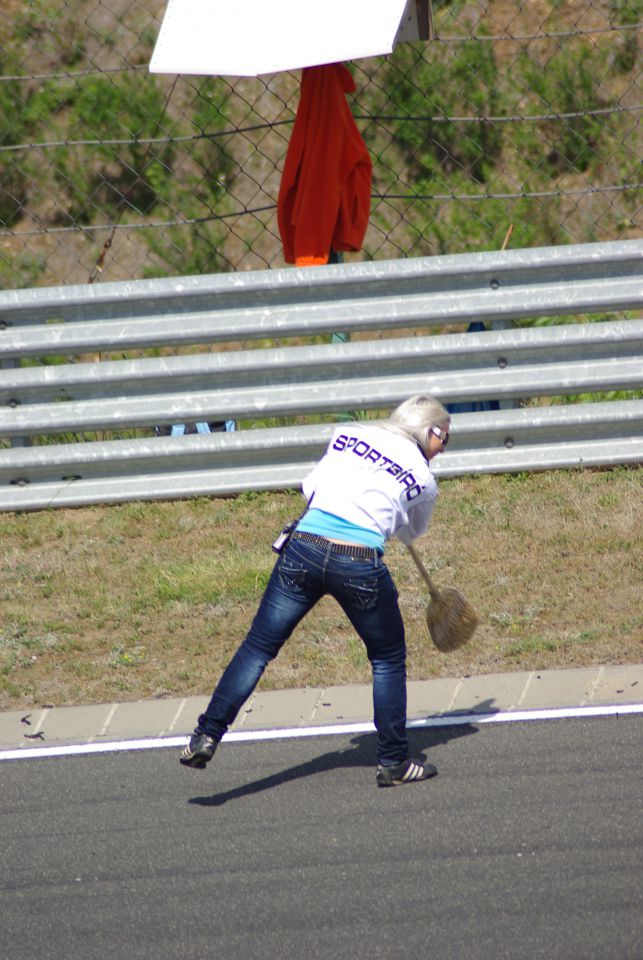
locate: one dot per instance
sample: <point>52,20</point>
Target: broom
<point>451,619</point>
<point>449,616</point>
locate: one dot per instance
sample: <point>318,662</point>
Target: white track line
<point>239,736</point>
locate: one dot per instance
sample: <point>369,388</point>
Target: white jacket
<point>375,479</point>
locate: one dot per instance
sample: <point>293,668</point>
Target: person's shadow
<point>361,753</point>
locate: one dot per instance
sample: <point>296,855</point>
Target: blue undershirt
<point>335,528</point>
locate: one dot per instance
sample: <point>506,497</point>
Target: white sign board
<point>252,37</point>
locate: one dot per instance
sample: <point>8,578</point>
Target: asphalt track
<point>527,845</point>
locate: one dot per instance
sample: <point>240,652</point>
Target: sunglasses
<point>443,437</point>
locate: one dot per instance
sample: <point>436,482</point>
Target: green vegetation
<point>566,86</point>
<point>446,160</point>
<point>125,146</point>
<point>627,12</point>
<point>111,154</point>
<point>437,149</point>
<point>124,177</point>
<point>13,129</point>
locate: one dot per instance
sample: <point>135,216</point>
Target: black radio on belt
<point>285,535</point>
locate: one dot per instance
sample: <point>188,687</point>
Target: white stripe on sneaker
<point>413,772</point>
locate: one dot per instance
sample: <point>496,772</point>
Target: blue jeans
<point>364,589</point>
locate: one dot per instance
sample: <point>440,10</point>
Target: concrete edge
<point>445,698</point>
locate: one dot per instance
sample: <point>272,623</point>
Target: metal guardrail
<point>374,295</point>
<point>320,378</point>
<point>222,464</point>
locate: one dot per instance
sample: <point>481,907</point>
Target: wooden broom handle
<point>433,590</point>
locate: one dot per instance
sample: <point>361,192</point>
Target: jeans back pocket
<point>361,594</point>
<point>292,576</point>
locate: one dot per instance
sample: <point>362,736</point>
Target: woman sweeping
<point>373,482</point>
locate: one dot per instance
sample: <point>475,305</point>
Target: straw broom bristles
<point>451,619</point>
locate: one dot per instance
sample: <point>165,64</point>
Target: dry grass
<point>150,600</point>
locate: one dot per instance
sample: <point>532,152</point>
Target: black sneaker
<point>198,751</point>
<point>408,771</point>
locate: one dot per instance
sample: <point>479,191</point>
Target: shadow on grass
<point>361,753</point>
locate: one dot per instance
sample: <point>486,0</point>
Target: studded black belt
<point>348,549</point>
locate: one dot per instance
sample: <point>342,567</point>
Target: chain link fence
<point>518,114</point>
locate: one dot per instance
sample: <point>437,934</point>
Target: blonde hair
<point>414,418</point>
